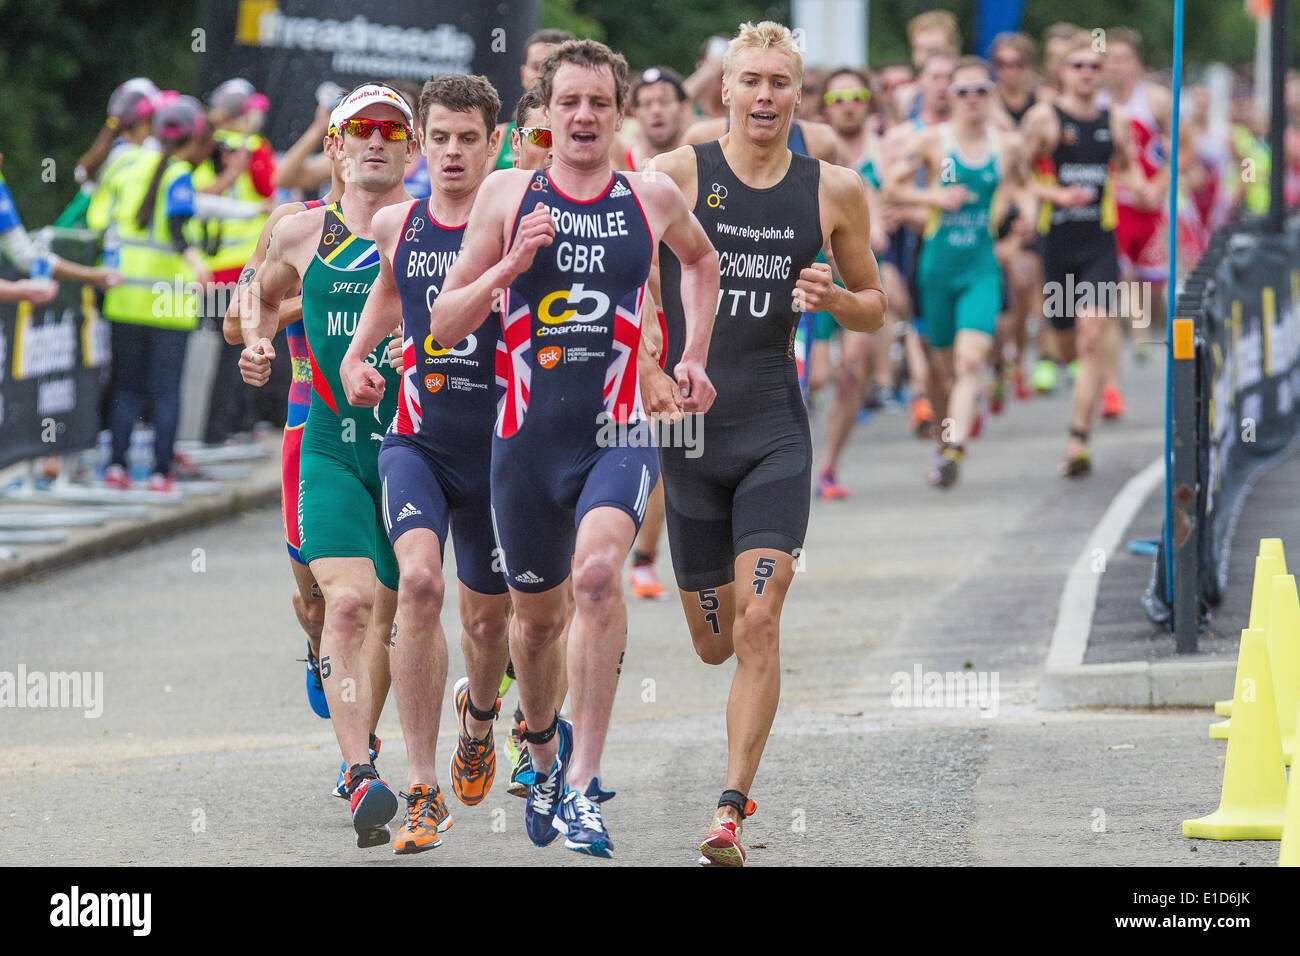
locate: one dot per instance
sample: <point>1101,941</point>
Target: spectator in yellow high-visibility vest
<point>155,307</point>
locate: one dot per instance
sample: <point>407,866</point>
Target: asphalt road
<point>206,753</point>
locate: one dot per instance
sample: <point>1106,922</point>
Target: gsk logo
<point>434,381</point>
<point>550,356</point>
<point>572,297</point>
<point>718,194</point>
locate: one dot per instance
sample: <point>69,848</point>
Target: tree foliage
<point>59,61</point>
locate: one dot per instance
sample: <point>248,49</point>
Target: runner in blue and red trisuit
<point>570,468</point>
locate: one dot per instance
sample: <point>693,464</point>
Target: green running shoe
<point>1043,378</point>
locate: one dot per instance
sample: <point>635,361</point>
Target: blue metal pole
<point>1169,304</point>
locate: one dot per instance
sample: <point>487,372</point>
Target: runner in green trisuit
<point>966,160</point>
<point>331,251</point>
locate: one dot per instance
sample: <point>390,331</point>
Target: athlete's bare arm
<point>894,146</point>
<point>1123,159</point>
<point>924,154</point>
<point>362,384</point>
<point>704,131</point>
<point>290,250</point>
<point>1015,162</point>
<point>672,222</point>
<point>821,142</point>
<point>879,235</point>
<point>230,327</point>
<point>1161,101</point>
<point>1042,135</point>
<point>859,305</point>
<point>485,267</point>
<point>659,393</point>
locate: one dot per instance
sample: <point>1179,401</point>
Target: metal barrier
<point>1236,409</point>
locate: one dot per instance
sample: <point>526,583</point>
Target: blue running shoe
<point>315,691</point>
<point>544,792</point>
<point>341,787</point>
<point>578,817</point>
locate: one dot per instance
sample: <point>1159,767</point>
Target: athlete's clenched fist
<point>698,392</point>
<point>255,362</point>
<point>661,396</point>
<point>395,352</point>
<point>812,288</point>
<point>535,230</point>
<point>362,384</point>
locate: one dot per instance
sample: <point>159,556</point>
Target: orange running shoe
<point>645,582</point>
<point>922,417</point>
<point>1112,403</point>
<point>426,817</point>
<point>829,489</point>
<point>474,764</point>
<point>722,847</point>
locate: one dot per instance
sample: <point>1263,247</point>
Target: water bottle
<point>112,248</point>
<point>43,261</point>
<point>139,458</point>
<point>103,452</point>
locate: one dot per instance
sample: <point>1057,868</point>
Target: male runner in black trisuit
<point>1081,144</point>
<point>737,512</point>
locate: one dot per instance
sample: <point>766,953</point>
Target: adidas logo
<point>528,578</point>
<point>409,511</point>
<point>620,189</point>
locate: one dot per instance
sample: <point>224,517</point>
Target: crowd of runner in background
<point>223,178</point>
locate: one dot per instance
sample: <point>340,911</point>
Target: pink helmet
<point>177,116</point>
<point>133,101</point>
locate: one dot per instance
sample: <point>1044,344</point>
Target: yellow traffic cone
<point>1266,565</point>
<point>1252,804</point>
<point>1284,656</point>
<point>1289,853</point>
<point>1272,547</point>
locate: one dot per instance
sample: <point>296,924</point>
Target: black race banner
<point>1244,298</point>
<point>1251,372</point>
<point>288,48</point>
<point>54,364</point>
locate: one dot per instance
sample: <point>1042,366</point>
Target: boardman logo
<point>75,909</point>
<point>575,296</point>
<point>716,195</point>
<point>466,347</point>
